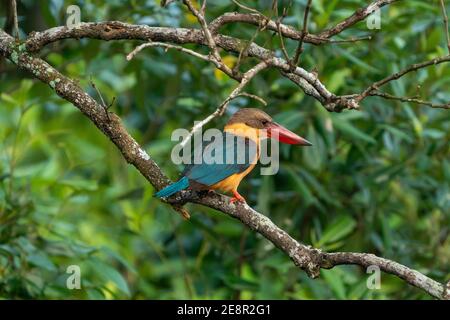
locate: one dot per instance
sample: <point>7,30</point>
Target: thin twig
<point>357,16</point>
<point>350,40</point>
<point>397,75</point>
<point>411,100</point>
<point>262,25</point>
<point>209,37</point>
<point>299,50</point>
<point>203,8</point>
<point>167,46</point>
<point>103,104</point>
<point>447,32</point>
<point>249,9</point>
<point>278,22</point>
<point>15,21</point>
<point>202,21</point>
<point>253,96</point>
<point>244,51</point>
<point>209,58</point>
<point>223,106</point>
<point>165,3</point>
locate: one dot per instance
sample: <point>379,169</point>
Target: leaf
<point>433,133</point>
<point>79,184</point>
<point>238,283</point>
<point>348,129</point>
<point>7,98</point>
<point>108,273</point>
<point>301,187</point>
<point>40,260</point>
<point>337,230</point>
<point>315,155</point>
<point>337,79</point>
<point>119,258</point>
<point>290,119</point>
<point>319,188</point>
<point>397,132</point>
<point>356,60</point>
<point>189,103</point>
<point>334,279</point>
<point>95,294</point>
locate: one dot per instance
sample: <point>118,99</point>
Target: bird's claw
<point>237,198</point>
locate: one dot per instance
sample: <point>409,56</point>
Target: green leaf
<point>80,184</point>
<point>238,283</point>
<point>337,230</point>
<point>7,98</point>
<point>108,273</point>
<point>95,294</point>
<point>337,79</point>
<point>40,260</point>
<point>334,279</point>
<point>348,129</point>
<point>301,187</point>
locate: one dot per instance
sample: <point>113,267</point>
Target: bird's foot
<point>237,198</point>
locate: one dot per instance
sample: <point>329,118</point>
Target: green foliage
<point>376,180</point>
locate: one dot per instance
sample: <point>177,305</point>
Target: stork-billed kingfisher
<point>242,134</point>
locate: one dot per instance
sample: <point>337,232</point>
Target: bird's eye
<point>265,122</point>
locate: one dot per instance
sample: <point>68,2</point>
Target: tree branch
<point>307,81</point>
<point>208,36</point>
<point>299,50</point>
<point>398,75</point>
<point>221,109</point>
<point>447,32</point>
<point>257,19</point>
<point>114,30</point>
<point>411,100</point>
<point>356,17</point>
<point>309,259</point>
<point>167,46</point>
<point>11,23</point>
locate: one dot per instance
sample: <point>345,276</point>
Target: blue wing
<point>222,159</point>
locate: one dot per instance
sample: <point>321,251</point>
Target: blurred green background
<point>375,181</point>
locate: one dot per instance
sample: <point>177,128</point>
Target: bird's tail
<point>181,184</point>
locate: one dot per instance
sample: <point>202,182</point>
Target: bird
<point>242,136</point>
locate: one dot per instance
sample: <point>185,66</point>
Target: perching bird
<point>241,138</point>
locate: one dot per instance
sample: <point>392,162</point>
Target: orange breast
<point>232,182</point>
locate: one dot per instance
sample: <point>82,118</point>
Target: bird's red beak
<point>274,130</point>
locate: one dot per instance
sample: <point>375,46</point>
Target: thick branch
<point>118,31</point>
<point>307,81</point>
<point>258,20</point>
<point>411,276</point>
<point>290,32</point>
<point>305,257</point>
